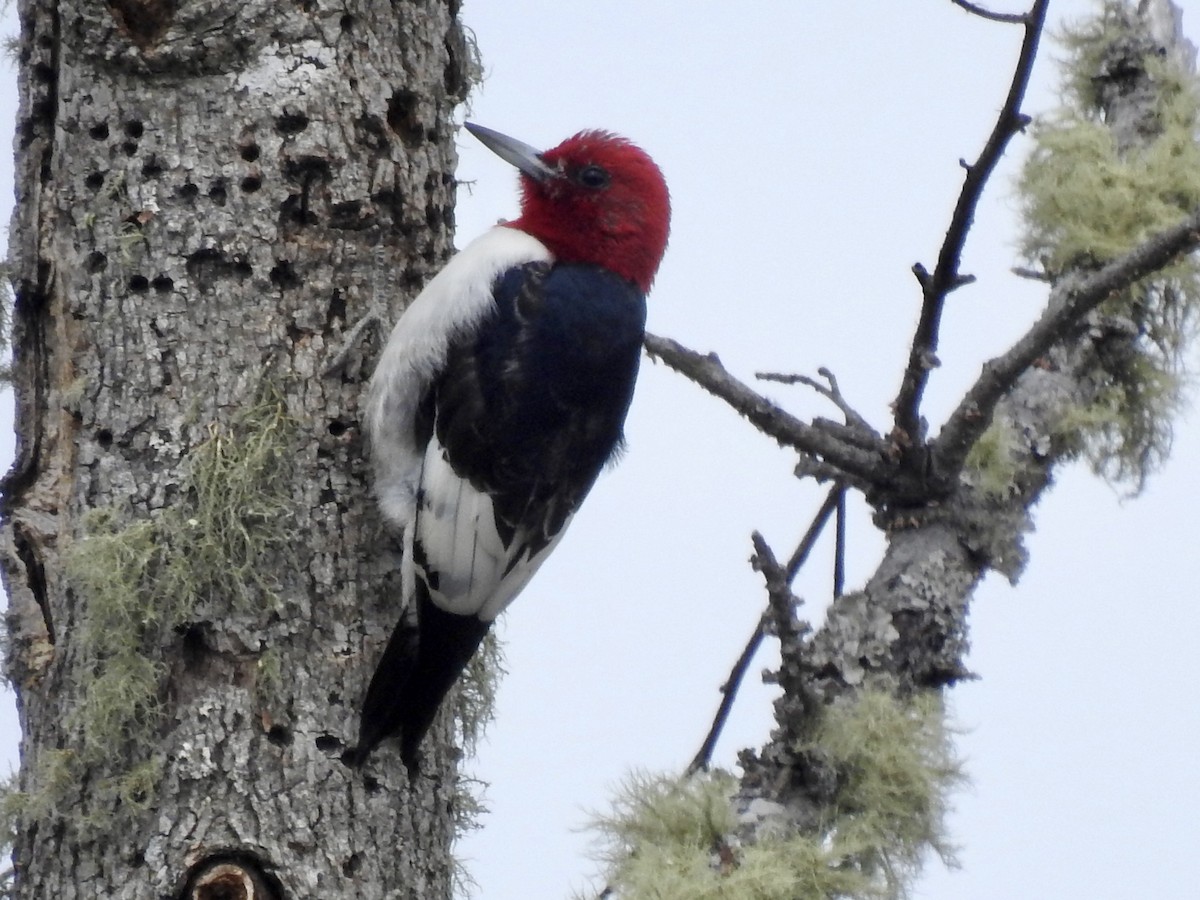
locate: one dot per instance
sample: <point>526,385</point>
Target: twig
<point>781,602</point>
<point>730,688</point>
<point>804,548</point>
<point>1031,274</point>
<point>946,278</point>
<point>861,467</point>
<point>839,551</point>
<point>976,10</point>
<point>832,393</point>
<point>1070,300</point>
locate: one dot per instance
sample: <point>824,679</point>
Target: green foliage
<point>141,580</point>
<point>670,838</point>
<point>1086,201</point>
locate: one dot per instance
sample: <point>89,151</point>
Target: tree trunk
<point>211,195</point>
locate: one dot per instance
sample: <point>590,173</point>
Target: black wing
<point>527,410</point>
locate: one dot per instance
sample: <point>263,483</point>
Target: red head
<point>595,198</point>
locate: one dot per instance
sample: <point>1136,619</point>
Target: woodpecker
<point>499,397</point>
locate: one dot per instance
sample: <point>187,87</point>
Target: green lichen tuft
<point>1088,41</point>
<point>1085,204</point>
<point>121,705</point>
<point>663,833</point>
<point>141,580</point>
<point>134,791</point>
<point>991,465</point>
<point>237,510</point>
<point>1085,201</point>
<point>669,838</point>
<point>896,765</point>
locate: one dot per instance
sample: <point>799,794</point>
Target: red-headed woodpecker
<point>499,397</point>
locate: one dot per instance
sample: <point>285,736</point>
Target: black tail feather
<point>417,669</point>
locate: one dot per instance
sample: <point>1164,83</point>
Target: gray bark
<point>211,194</point>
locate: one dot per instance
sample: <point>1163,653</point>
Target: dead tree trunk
<point>211,195</point>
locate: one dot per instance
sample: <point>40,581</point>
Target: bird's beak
<point>527,159</point>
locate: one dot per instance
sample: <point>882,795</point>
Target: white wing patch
<point>469,569</point>
<point>457,298</point>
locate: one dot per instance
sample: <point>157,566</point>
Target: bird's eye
<point>593,177</point>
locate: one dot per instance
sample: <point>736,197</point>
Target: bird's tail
<point>417,669</point>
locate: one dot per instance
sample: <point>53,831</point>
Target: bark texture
<point>211,195</point>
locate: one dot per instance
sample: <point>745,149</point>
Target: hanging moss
<point>54,778</point>
<point>1126,433</point>
<point>237,511</point>
<point>139,581</point>
<point>1085,201</point>
<point>475,704</point>
<point>669,838</point>
<point>477,691</point>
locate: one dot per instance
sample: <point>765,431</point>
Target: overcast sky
<point>812,153</point>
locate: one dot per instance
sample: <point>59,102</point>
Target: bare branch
<point>832,393</point>
<point>946,278</point>
<point>1070,300</point>
<point>796,561</point>
<point>703,758</point>
<point>1031,274</point>
<point>839,551</point>
<point>976,10</point>
<point>730,688</point>
<point>781,602</point>
<point>861,467</point>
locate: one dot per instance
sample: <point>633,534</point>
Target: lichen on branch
<point>1116,164</point>
<point>894,764</point>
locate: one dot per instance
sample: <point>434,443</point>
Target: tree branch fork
<point>895,469</point>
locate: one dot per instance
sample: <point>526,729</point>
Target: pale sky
<point>812,153</point>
